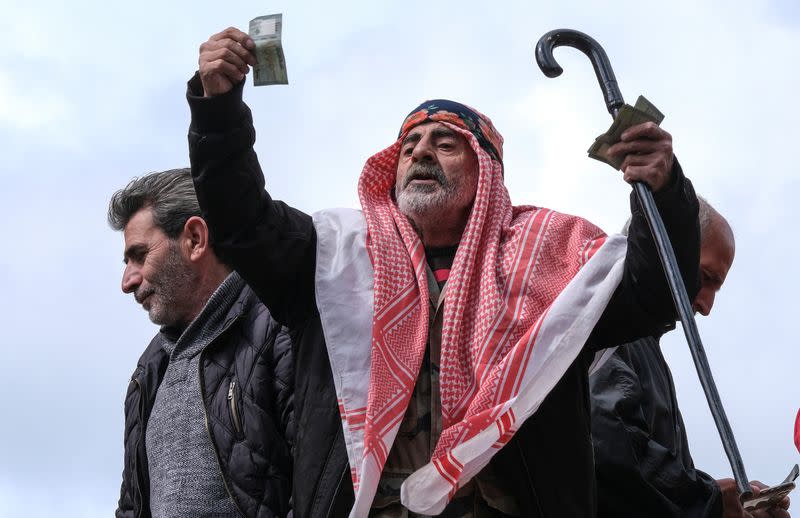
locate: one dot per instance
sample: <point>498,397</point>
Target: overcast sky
<point>92,94</point>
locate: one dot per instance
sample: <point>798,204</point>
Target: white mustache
<point>425,172</point>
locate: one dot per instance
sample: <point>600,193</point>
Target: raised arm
<point>269,243</point>
<point>642,305</point>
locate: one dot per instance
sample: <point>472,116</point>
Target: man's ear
<point>195,238</point>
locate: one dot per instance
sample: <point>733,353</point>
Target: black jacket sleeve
<point>642,304</point>
<point>283,385</point>
<point>126,507</point>
<point>270,244</point>
<point>139,398</point>
<point>642,460</point>
<point>125,504</point>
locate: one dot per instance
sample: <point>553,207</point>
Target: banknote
<point>642,111</point>
<point>271,64</point>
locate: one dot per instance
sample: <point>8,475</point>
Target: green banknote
<point>271,65</point>
<point>628,116</point>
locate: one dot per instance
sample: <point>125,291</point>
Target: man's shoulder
<point>559,221</point>
<point>341,234</point>
<point>339,220</point>
<point>154,353</point>
<point>251,311</point>
<point>642,352</point>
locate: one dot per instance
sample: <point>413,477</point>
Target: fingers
<point>778,510</point>
<point>769,513</point>
<point>232,46</point>
<point>210,58</point>
<point>646,130</point>
<point>656,175</point>
<point>228,50</point>
<point>658,161</point>
<point>224,60</point>
<point>782,507</point>
<point>640,146</point>
<point>642,138</point>
<point>232,33</point>
<point>648,155</point>
<point>224,68</point>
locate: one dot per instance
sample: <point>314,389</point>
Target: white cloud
<point>31,111</point>
<point>91,95</point>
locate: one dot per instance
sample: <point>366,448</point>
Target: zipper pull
<point>230,390</point>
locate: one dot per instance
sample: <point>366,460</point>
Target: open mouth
<point>422,178</point>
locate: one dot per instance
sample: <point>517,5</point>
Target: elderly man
<point>642,457</point>
<point>209,405</point>
<point>440,332</point>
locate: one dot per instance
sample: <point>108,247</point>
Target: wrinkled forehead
<point>460,115</point>
<point>436,129</point>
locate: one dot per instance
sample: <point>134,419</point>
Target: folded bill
<point>628,116</point>
<point>271,64</point>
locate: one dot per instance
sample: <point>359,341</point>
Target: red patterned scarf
<point>511,265</point>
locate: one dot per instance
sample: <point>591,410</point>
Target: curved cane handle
<point>614,101</point>
<point>586,44</point>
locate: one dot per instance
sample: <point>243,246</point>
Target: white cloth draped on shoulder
<point>550,289</point>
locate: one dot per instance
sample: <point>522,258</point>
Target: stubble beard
<point>172,291</point>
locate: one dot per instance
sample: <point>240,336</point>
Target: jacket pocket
<point>233,405</point>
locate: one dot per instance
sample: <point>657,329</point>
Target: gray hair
<point>707,216</point>
<point>711,220</point>
<point>169,194</point>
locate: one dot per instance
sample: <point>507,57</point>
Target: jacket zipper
<point>205,416</point>
<point>138,498</point>
<point>237,423</point>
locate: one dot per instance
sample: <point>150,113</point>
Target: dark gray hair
<point>169,194</point>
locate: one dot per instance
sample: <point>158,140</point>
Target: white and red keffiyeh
<point>522,299</point>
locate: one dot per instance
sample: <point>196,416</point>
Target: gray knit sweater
<point>185,477</point>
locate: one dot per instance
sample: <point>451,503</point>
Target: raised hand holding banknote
<point>636,145</point>
<point>224,60</point>
<point>647,152</point>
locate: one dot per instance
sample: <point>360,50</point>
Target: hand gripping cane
<point>614,101</point>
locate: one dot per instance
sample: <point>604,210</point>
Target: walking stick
<point>614,101</point>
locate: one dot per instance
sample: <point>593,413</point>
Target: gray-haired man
<point>642,458</point>
<point>208,412</point>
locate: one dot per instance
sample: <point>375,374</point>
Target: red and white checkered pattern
<point>510,266</point>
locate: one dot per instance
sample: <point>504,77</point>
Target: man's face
<point>437,174</point>
<point>159,276</point>
<point>716,258</point>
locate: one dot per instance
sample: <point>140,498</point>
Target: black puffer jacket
<point>246,382</point>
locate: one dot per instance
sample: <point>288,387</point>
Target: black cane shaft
<point>614,101</point>
<point>684,307</point>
